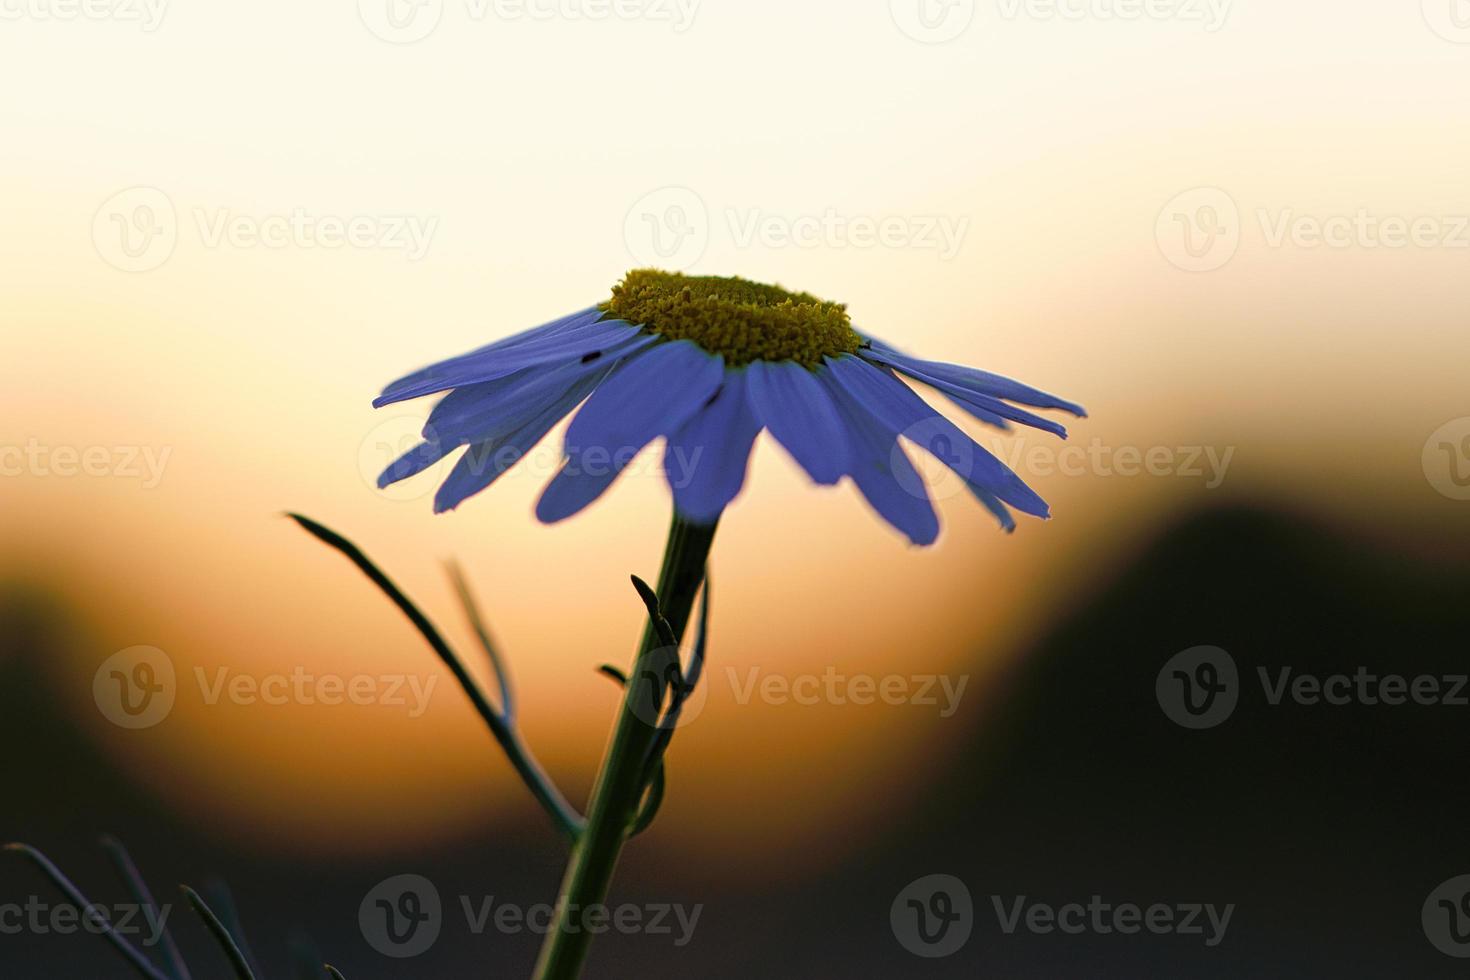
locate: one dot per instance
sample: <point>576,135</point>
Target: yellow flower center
<point>741,320</point>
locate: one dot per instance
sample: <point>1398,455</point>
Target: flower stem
<point>619,788</point>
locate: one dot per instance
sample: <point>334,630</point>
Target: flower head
<point>706,363</point>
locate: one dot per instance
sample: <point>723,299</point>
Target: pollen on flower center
<point>741,320</point>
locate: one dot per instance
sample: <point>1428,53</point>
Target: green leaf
<point>562,814</point>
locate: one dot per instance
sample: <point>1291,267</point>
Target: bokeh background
<point>1236,231</point>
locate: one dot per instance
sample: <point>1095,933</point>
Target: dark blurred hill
<point>1326,826</point>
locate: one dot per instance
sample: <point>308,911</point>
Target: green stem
<point>619,787</point>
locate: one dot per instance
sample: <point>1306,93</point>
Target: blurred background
<point>1235,231</point>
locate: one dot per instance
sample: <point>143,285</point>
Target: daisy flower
<point>707,363</point>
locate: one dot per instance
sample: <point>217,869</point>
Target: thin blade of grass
<point>223,904</point>
<point>221,935</point>
<point>477,623</point>
<point>123,861</point>
<point>405,605</point>
<point>562,813</point>
<point>74,895</point>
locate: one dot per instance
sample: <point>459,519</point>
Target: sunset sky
<point>1240,242</point>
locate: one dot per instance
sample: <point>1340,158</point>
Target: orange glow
<point>244,373</point>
